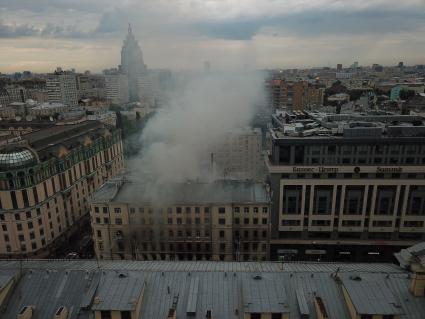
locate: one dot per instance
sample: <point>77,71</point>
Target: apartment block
<point>62,87</point>
<point>116,86</point>
<point>294,95</point>
<point>223,220</point>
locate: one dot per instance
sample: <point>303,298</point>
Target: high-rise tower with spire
<point>132,63</point>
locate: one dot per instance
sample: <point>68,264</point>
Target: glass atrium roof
<point>16,159</point>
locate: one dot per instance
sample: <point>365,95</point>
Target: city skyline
<point>41,35</point>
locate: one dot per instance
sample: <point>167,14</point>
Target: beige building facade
<point>45,180</point>
<point>232,227</point>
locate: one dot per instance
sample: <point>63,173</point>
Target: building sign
<point>315,252</point>
<point>389,169</point>
<point>334,170</point>
<point>320,169</point>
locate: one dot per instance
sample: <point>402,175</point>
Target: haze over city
<point>180,35</point>
<point>212,159</point>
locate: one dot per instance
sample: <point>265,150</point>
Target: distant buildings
<point>417,88</point>
<point>293,95</point>
<point>221,220</point>
<point>90,86</point>
<point>46,175</point>
<point>62,87</point>
<point>132,64</point>
<point>116,85</point>
<point>239,155</point>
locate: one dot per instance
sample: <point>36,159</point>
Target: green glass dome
<point>17,158</point>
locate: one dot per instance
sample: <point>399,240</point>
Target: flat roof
<point>222,191</point>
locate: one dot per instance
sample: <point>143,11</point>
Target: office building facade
<point>347,186</point>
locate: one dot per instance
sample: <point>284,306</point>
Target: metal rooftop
<point>227,289</point>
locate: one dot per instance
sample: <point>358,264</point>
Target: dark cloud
<point>47,31</point>
<point>317,23</point>
<point>15,31</point>
<point>46,5</point>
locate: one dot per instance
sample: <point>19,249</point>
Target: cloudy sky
<point>39,35</point>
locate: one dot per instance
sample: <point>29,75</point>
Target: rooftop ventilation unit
<point>61,313</point>
<point>25,313</point>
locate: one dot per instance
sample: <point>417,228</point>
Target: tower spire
<point>129,29</point>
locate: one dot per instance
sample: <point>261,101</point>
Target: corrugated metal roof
<point>47,291</point>
<point>6,276</point>
<point>371,296</point>
<point>118,291</point>
<point>187,266</point>
<point>223,288</point>
<point>264,294</point>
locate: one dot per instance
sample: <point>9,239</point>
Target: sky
<point>39,35</point>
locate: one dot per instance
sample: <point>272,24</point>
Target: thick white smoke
<point>178,140</point>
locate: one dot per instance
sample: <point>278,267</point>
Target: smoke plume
<point>178,139</point>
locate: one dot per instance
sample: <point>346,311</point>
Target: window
<point>366,317</point>
<point>125,315</point>
<point>105,210</point>
<point>236,221</point>
<point>188,210</point>
<point>118,221</point>
<point>132,210</point>
<point>105,315</point>
<point>255,221</point>
<point>221,210</point>
<point>99,234</point>
<point>206,210</point>
<point>236,209</point>
<point>19,226</point>
<point>96,209</point>
<point>17,217</point>
<point>221,233</point>
<point>170,221</point>
<point>117,210</point>
<point>4,227</point>
<point>255,209</point>
<point>265,210</point>
<point>21,238</point>
<point>197,210</point>
<point>222,221</point>
<point>246,221</point>
<point>246,209</point>
<point>178,210</point>
<point>30,225</point>
<point>255,315</point>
